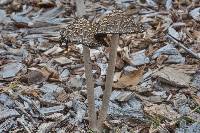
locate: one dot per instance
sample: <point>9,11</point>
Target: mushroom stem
<point>109,80</point>
<point>88,74</point>
<point>90,88</point>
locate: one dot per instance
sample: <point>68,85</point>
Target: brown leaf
<point>62,96</point>
<point>131,79</point>
<point>176,75</point>
<point>161,59</point>
<point>162,110</point>
<point>53,73</point>
<point>35,76</point>
<point>32,92</point>
<point>196,34</point>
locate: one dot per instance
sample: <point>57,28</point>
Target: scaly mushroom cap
<point>81,31</point>
<point>118,22</point>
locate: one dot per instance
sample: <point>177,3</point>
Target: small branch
<point>109,80</point>
<point>88,74</point>
<point>180,43</point>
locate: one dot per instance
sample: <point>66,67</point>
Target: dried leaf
<point>176,75</point>
<point>162,110</point>
<point>36,76</point>
<point>131,79</point>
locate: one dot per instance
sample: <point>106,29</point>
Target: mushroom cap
<point>81,31</point>
<point>118,22</point>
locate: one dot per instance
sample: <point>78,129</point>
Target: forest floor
<point>157,78</point>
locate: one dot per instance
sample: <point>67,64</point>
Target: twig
<point>181,44</point>
<point>20,107</point>
<point>88,74</point>
<point>31,103</point>
<point>109,80</point>
<point>23,123</point>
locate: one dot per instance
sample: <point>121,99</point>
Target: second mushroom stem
<point>109,80</point>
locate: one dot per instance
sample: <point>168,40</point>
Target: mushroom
<point>88,39</point>
<point>115,23</point>
<point>81,31</point>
